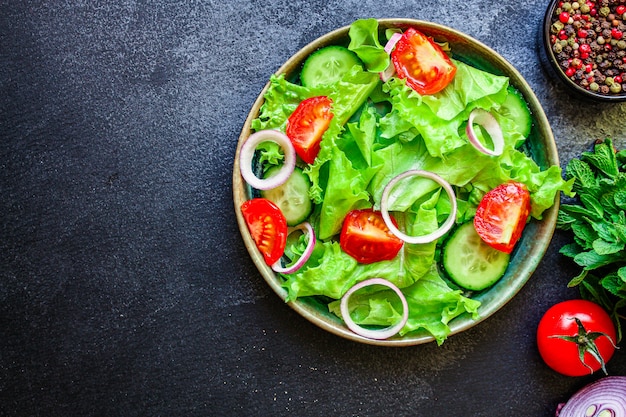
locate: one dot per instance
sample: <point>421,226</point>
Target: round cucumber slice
<point>516,109</point>
<point>292,197</point>
<point>470,262</point>
<point>328,65</point>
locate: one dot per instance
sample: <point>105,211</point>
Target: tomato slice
<point>502,214</point>
<point>366,237</point>
<point>268,227</point>
<point>424,65</point>
<point>307,124</point>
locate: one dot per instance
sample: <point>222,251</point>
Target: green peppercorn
<point>567,6</point>
<point>615,88</point>
<point>605,11</point>
<point>621,44</point>
<point>609,81</point>
<point>557,48</point>
<point>584,8</point>
<point>556,27</point>
<point>600,40</point>
<point>594,86</point>
<point>575,5</point>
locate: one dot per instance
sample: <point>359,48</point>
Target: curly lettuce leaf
<point>432,304</point>
<point>438,117</point>
<point>365,44</point>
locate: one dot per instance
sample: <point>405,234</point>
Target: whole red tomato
<point>576,337</point>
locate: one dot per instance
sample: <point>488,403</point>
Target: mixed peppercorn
<point>588,38</point>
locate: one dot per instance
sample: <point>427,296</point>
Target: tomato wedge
<point>502,214</point>
<point>307,124</point>
<point>268,227</point>
<point>424,65</point>
<point>366,237</point>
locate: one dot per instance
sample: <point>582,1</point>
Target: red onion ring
<point>391,43</point>
<point>604,398</point>
<point>490,124</point>
<point>305,226</point>
<point>391,69</point>
<point>247,154</point>
<point>377,334</point>
<point>442,230</point>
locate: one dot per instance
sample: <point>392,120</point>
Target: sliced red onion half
<point>378,334</point>
<point>604,398</point>
<point>305,227</point>
<point>247,154</point>
<point>442,230</point>
<point>391,69</point>
<point>490,124</point>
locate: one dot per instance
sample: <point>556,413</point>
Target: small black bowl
<point>550,61</point>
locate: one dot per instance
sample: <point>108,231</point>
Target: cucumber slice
<point>292,197</point>
<point>328,65</point>
<point>516,109</point>
<point>470,262</point>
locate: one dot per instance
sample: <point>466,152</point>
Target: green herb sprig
<point>597,220</point>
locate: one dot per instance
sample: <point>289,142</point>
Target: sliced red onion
<point>387,73</point>
<point>391,43</point>
<point>604,398</point>
<point>490,124</point>
<point>247,154</point>
<point>442,230</point>
<point>378,334</point>
<point>391,69</point>
<point>306,227</point>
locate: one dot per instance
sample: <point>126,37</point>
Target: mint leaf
<point>602,247</point>
<point>614,284</point>
<point>570,250</point>
<point>581,171</point>
<point>593,260</point>
<point>591,203</point>
<point>603,158</point>
<point>584,234</point>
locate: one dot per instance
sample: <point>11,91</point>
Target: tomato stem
<point>586,344</point>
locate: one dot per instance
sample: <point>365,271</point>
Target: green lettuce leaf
<point>432,304</point>
<point>365,44</point>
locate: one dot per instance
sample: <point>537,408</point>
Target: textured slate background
<point>125,287</point>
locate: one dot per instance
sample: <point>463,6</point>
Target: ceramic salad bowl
<point>540,146</point>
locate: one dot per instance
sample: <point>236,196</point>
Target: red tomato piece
<point>502,214</point>
<point>424,65</point>
<point>307,124</point>
<point>563,355</point>
<point>268,227</point>
<point>366,237</point>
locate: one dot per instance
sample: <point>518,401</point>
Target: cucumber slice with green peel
<point>470,262</point>
<point>516,109</point>
<point>328,65</point>
<point>292,197</point>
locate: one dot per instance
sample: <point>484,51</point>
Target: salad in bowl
<point>396,182</point>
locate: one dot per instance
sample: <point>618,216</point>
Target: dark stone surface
<point>125,287</point>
